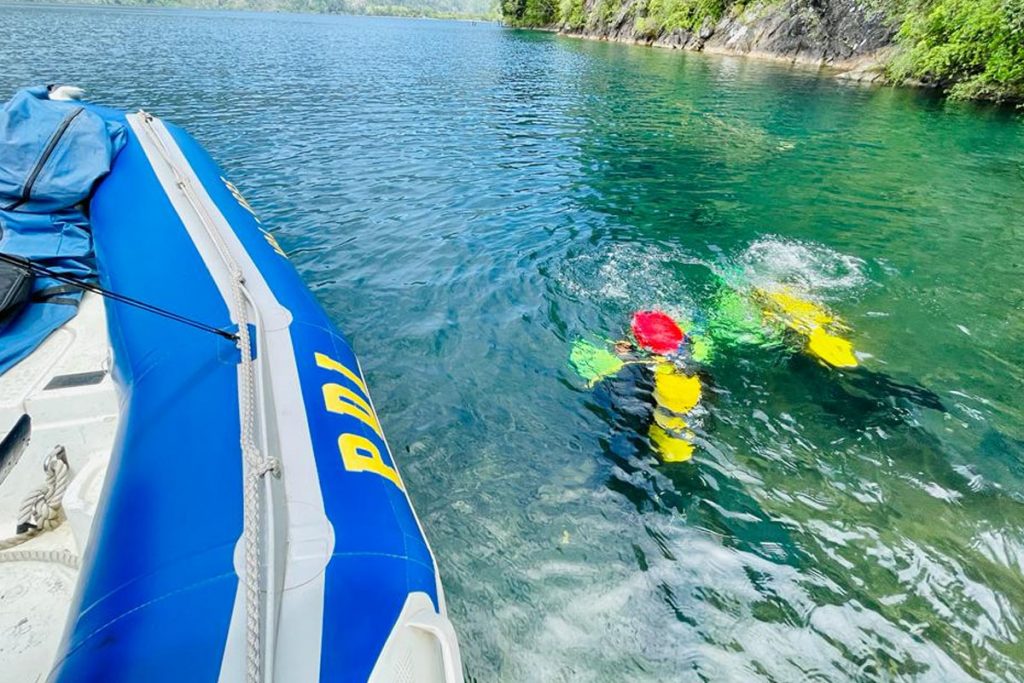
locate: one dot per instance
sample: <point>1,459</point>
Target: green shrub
<point>530,12</point>
<point>572,15</point>
<point>605,11</point>
<point>667,15</point>
<point>540,12</point>
<point>647,27</point>
<point>972,48</point>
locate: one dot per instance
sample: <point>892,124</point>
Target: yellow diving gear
<point>675,391</point>
<point>796,313</point>
<point>834,350</point>
<point>814,323</point>
<point>593,363</point>
<point>676,394</point>
<point>671,448</point>
<point>670,422</point>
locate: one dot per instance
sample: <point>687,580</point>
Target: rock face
<point>843,33</point>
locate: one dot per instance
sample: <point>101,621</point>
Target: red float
<point>657,332</point>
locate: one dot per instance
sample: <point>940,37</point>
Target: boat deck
<point>66,391</point>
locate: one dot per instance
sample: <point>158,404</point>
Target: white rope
<point>64,557</point>
<point>42,510</point>
<point>256,466</point>
<point>18,539</point>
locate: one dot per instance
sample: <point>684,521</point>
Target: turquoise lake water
<point>466,201</point>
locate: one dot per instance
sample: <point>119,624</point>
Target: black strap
<point>56,290</point>
<point>37,269</point>
<point>53,295</point>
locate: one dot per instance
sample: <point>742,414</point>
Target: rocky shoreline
<point>843,34</point>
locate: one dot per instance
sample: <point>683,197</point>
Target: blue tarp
<point>52,154</point>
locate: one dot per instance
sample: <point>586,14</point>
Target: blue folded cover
<point>51,156</point>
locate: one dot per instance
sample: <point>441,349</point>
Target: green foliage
<point>652,16</point>
<point>605,11</point>
<point>647,27</point>
<point>572,15</point>
<point>666,15</point>
<point>593,363</point>
<point>530,12</point>
<point>972,48</point>
<point>540,12</point>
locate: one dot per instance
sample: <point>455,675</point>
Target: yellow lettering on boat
<point>272,241</point>
<point>675,391</point>
<point>328,363</point>
<point>233,189</point>
<point>237,194</point>
<point>344,401</point>
<point>669,446</point>
<point>360,455</point>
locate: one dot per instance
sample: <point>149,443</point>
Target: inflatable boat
<point>194,482</point>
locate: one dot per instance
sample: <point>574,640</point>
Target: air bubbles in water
<point>631,277</point>
<point>812,268</point>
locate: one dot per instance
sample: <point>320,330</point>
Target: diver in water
<point>814,337</point>
<point>660,351</point>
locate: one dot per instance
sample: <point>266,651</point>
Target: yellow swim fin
<point>814,322</point>
<point>796,313</point>
<point>670,448</point>
<point>833,350</point>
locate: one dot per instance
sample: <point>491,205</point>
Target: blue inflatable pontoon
<point>231,510</point>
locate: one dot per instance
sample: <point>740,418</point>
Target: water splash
<point>631,277</point>
<point>814,269</point>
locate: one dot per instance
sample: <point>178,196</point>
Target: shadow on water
<point>722,496</point>
<point>704,495</point>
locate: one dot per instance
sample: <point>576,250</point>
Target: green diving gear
<point>593,363</point>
